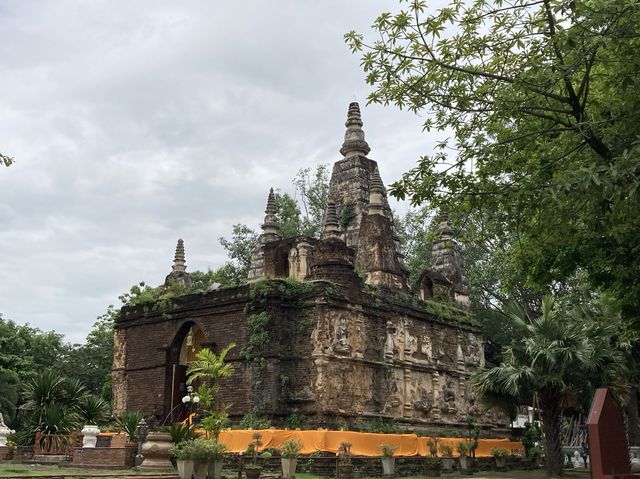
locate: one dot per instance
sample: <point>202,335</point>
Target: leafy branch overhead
<point>538,97</point>
<point>5,160</point>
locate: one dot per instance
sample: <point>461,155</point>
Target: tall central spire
<point>354,142</point>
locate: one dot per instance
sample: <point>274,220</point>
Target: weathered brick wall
<point>335,352</point>
<point>104,456</point>
<point>152,341</point>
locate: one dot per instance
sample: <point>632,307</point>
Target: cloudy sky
<point>135,123</point>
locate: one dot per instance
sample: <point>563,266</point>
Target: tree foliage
<point>555,360</point>
<point>539,98</point>
<point>24,351</point>
<point>5,160</point>
<point>294,219</point>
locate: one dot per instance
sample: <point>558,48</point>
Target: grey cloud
<point>135,123</point>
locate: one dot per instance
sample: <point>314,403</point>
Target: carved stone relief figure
<point>294,266</point>
<point>409,340</point>
<point>388,343</point>
<point>449,397</point>
<point>425,403</point>
<point>460,356</point>
<point>426,346</point>
<point>341,343</point>
<point>474,350</point>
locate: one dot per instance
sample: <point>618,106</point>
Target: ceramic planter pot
<point>464,463</point>
<point>289,467</point>
<point>200,470</point>
<point>185,468</point>
<point>388,465</point>
<point>501,462</point>
<point>252,472</point>
<point>215,469</point>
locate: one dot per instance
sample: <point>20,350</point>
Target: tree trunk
<point>551,412</point>
<point>633,418</point>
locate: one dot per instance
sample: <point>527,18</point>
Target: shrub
<point>128,422</point>
<point>499,452</point>
<point>291,448</point>
<point>252,420</point>
<point>446,450</point>
<point>433,446</point>
<point>464,448</point>
<point>387,450</point>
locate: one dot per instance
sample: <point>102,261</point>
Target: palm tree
<point>210,367</point>
<point>94,410</point>
<point>554,358</point>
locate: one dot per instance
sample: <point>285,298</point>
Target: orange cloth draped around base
<point>362,444</point>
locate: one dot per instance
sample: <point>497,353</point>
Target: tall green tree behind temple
<point>303,217</point>
<point>541,101</point>
<point>23,352</point>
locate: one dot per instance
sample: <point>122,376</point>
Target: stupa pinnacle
<point>354,142</point>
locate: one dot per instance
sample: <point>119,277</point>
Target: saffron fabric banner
<point>362,444</point>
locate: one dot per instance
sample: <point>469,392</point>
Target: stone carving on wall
<point>388,343</point>
<point>425,403</point>
<point>341,343</point>
<point>460,356</point>
<point>449,397</point>
<point>410,341</point>
<point>475,354</point>
<point>426,346</point>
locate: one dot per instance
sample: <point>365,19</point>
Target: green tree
<point>91,362</point>
<point>239,248</point>
<point>539,99</point>
<point>415,231</point>
<point>555,360</point>
<point>288,215</point>
<point>312,189</point>
<point>5,160</point>
<point>24,351</point>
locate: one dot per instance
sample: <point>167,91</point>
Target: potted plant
<point>433,466</point>
<point>253,469</point>
<point>446,451</point>
<point>388,461</point>
<point>500,455</point>
<point>464,448</point>
<point>344,466</point>
<point>290,451</point>
<point>534,455</point>
<point>182,452</point>
<point>214,459</point>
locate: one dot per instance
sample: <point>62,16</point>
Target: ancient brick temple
<point>327,328</point>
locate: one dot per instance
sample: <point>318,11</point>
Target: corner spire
<point>331,226</point>
<point>270,226</point>
<point>447,258</point>
<point>179,268</point>
<point>354,142</point>
<point>179,263</point>
<point>376,194</point>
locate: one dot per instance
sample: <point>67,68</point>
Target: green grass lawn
<point>40,470</point>
<point>33,470</point>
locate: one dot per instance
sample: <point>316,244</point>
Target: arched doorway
<point>187,343</point>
